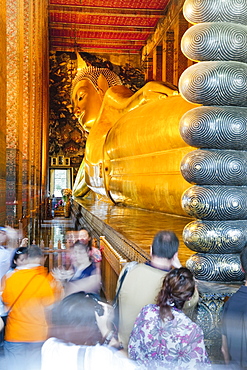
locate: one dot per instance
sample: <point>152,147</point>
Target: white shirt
<point>63,356</point>
<point>5,257</point>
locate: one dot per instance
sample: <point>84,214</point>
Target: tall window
<point>59,179</point>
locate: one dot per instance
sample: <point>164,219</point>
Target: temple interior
<point>121,165</point>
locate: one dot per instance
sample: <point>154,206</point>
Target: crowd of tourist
<point>60,319</point>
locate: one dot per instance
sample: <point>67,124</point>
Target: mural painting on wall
<point>66,136</point>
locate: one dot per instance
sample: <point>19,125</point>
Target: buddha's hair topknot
<point>93,73</point>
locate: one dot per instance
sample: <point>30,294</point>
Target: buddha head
<point>88,89</point>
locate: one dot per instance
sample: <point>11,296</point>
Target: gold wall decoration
<point>3,91</point>
<point>27,107</point>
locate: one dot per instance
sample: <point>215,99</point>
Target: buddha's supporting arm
<point>122,99</point>
<point>80,188</point>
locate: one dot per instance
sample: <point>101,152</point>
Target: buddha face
<point>86,103</point>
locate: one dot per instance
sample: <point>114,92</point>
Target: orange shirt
<point>26,322</point>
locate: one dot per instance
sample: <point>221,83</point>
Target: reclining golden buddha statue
<point>134,148</point>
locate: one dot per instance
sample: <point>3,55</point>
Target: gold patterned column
<point>38,49</point>
<point>183,62</point>
<point>2,112</point>
<point>27,83</point>
<point>14,116</point>
<point>149,68</point>
<point>170,56</point>
<point>157,63</point>
<point>25,110</point>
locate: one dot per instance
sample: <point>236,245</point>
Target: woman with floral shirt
<point>163,334</point>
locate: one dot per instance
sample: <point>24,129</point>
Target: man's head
<point>243,259</point>
<point>165,245</point>
<point>74,319</point>
<point>35,255</point>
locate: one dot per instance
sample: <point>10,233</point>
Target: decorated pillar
<point>163,59</point>
<point>182,62</point>
<point>2,112</point>
<point>26,101</point>
<point>14,21</point>
<point>157,63</point>
<point>169,55</point>
<point>149,68</point>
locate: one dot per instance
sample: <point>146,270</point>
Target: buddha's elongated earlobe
<point>103,85</point>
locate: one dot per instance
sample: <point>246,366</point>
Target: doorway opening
<point>60,178</point>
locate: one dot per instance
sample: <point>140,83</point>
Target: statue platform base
<point>208,316</point>
<point>130,231</point>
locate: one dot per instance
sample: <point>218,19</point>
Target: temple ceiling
<point>108,26</point>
